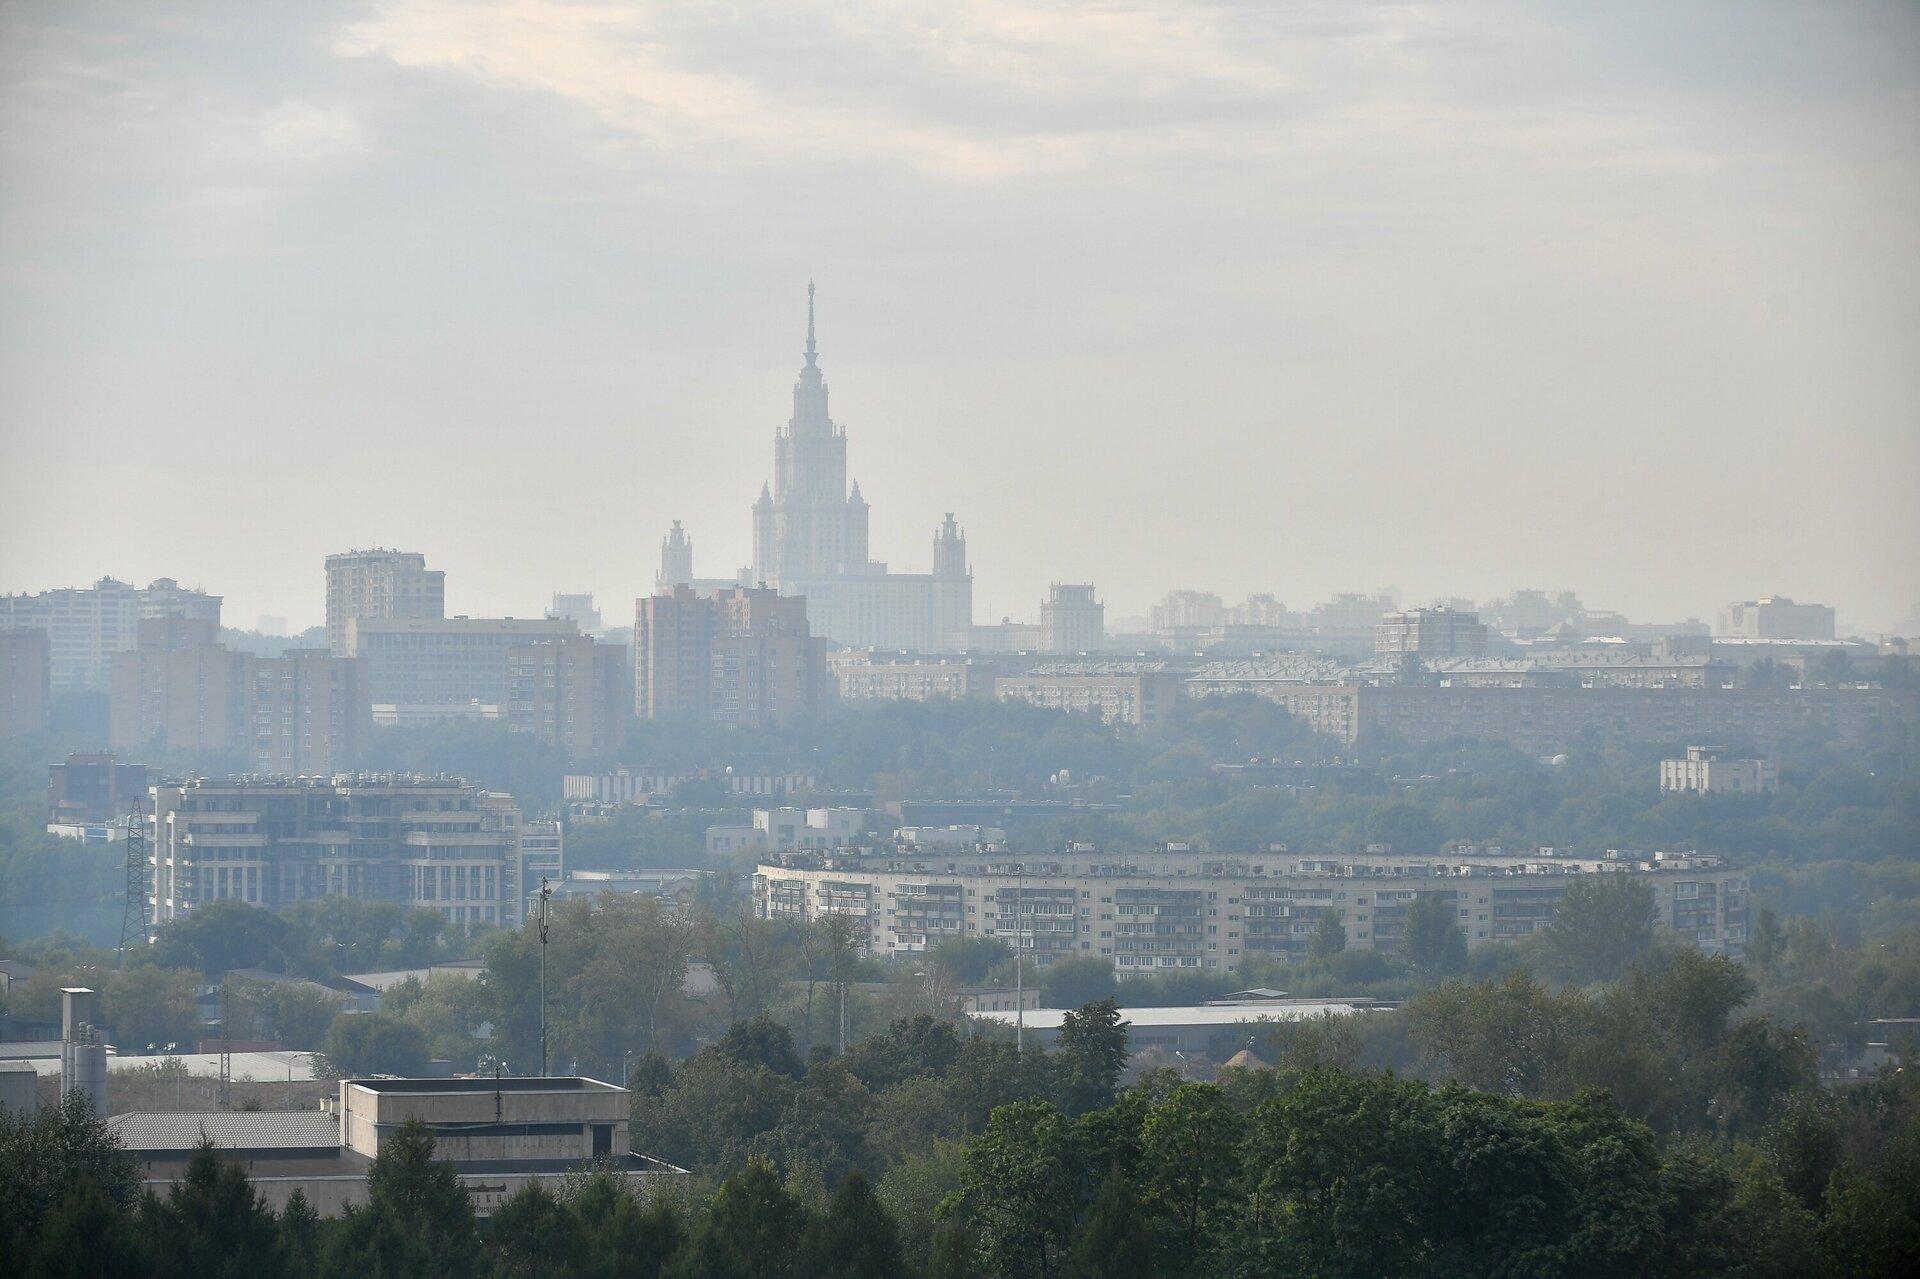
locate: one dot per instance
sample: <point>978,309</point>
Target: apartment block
<point>86,627</point>
<point>862,676</point>
<point>1173,911</point>
<point>1775,618</point>
<point>416,842</point>
<point>1072,620</point>
<point>444,665</point>
<point>1137,693</point>
<point>1430,632</point>
<point>742,656</point>
<point>92,790</point>
<point>560,693</point>
<point>26,688</point>
<point>379,584</point>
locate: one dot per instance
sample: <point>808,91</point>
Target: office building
<point>441,667</point>
<point>783,830</point>
<point>1775,618</point>
<point>1708,770</point>
<point>1430,633</point>
<point>26,682</point>
<point>432,843</point>
<point>85,628</point>
<point>379,584</point>
<point>861,675</point>
<point>93,793</point>
<point>743,656</point>
<point>1072,620</point>
<point>1165,911</point>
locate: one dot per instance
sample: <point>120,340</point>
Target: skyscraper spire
<point>811,352</point>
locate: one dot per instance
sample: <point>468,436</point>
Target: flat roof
<point>1191,1015</point>
<point>487,1084</point>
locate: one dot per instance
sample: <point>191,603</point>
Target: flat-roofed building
<point>1709,770</point>
<point>1430,632</point>
<point>445,663</point>
<point>1775,618</point>
<point>432,843</point>
<point>26,687</point>
<point>1172,910</point>
<point>1137,693</point>
<point>379,584</point>
<point>86,627</point>
<point>743,656</point>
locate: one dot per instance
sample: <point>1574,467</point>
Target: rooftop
<point>486,1084</point>
<point>233,1130</point>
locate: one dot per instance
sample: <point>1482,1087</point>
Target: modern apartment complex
<point>741,656</point>
<point>379,584</point>
<point>85,628</point>
<point>416,842</point>
<point>1154,912</point>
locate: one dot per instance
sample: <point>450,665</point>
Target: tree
<point>748,1232</point>
<point>1603,924</point>
<point>534,1236</point>
<point>1503,1037</point>
<point>1112,1241</point>
<point>44,1159</point>
<point>970,959</point>
<point>150,1005</point>
<point>761,1042</point>
<point>1020,1178</point>
<point>1433,941</point>
<point>855,1239</point>
<point>1093,1052</point>
<point>1329,936</point>
<point>1191,1147</point>
<point>1077,980</point>
<point>86,1236</point>
<point>212,1224</point>
<point>297,1013</point>
<point>418,1219</point>
<point>374,1044</point>
<point>909,1048</point>
<point>1762,1063</point>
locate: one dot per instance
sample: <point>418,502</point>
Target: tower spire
<point>811,351</point>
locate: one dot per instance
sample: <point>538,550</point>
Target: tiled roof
<point>235,1130</point>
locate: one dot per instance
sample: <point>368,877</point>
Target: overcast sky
<point>1297,298</point>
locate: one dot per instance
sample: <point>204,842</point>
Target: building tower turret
<point>676,561</point>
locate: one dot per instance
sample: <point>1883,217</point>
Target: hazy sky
<point>1244,297</point>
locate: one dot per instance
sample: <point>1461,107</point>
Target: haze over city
<point>1212,296</point>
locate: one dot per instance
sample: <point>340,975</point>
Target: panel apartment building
<point>85,628</point>
<point>742,656</point>
<point>416,842</point>
<point>379,584</point>
<point>1156,912</point>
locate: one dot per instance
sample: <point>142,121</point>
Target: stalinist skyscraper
<point>810,538</point>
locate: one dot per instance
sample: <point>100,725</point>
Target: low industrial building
<point>498,1134</point>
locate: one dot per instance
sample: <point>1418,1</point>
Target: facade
<point>557,690</point>
<point>431,843</point>
<point>743,656</point>
<point>498,1134</point>
<point>1775,618</point>
<point>1430,632</point>
<point>1172,911</point>
<point>93,790</point>
<point>810,539</point>
<point>1708,771</point>
<point>641,784</point>
<point>863,676</point>
<point>1137,693</point>
<point>1072,620</point>
<point>305,711</point>
<point>441,666</point>
<point>784,830</point>
<point>543,856</point>
<point>85,628</point>
<point>379,584</point>
<point>578,609</point>
<point>26,682</point>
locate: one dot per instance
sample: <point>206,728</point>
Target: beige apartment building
<point>862,676</point>
<point>26,687</point>
<point>741,656</point>
<point>1172,911</point>
<point>1136,693</point>
<point>379,584</point>
<point>417,842</point>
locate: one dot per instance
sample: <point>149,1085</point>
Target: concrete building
<point>379,584</point>
<point>85,628</point>
<point>744,656</point>
<point>810,539</point>
<point>561,690</point>
<point>1429,633</point>
<point>442,666</point>
<point>784,830</point>
<point>1137,693</point>
<point>26,682</point>
<point>1156,912</point>
<point>1775,618</point>
<point>306,712</point>
<point>1707,770</point>
<point>417,842</point>
<point>498,1134</point>
<point>93,791</point>
<point>861,675</point>
<point>543,855</point>
<point>1072,620</point>
<point>642,784</point>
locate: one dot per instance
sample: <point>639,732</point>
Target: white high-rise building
<point>85,628</point>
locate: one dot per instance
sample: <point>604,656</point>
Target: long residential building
<point>1161,911</point>
<point>25,682</point>
<point>743,656</point>
<point>379,584</point>
<point>436,843</point>
<point>86,627</point>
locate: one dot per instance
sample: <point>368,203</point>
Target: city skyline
<point>1207,298</point>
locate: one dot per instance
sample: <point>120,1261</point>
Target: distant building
<point>641,784</point>
<point>1430,632</point>
<point>379,584</point>
<point>1154,912</point>
<point>415,842</point>
<point>543,856</point>
<point>783,830</point>
<point>26,687</point>
<point>744,656</point>
<point>1708,771</point>
<point>1775,618</point>
<point>1072,620</point>
<point>578,609</point>
<point>85,628</point>
<point>444,665</point>
<point>92,790</point>
<point>1137,693</point>
<point>560,691</point>
<point>863,676</point>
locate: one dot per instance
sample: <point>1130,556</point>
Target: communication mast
<point>133,918</point>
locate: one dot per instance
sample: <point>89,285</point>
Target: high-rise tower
<point>676,561</point>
